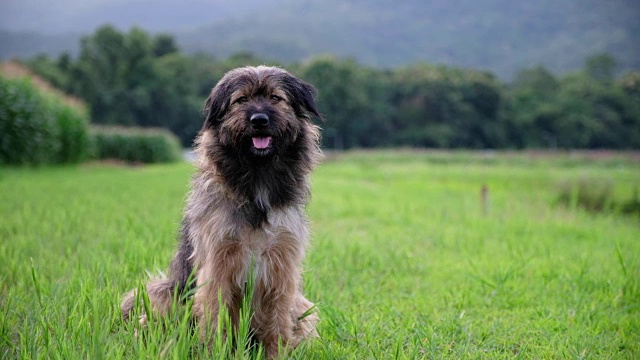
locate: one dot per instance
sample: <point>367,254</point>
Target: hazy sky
<point>13,11</point>
<point>51,16</point>
<point>36,15</point>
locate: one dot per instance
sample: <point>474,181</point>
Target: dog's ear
<point>303,96</point>
<point>216,105</point>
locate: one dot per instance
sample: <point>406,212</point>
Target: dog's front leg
<point>274,294</point>
<point>218,279</point>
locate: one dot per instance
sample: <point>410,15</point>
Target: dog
<point>245,213</point>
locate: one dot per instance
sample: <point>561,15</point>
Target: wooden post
<point>484,199</point>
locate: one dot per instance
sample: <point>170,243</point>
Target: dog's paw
<point>305,320</point>
<point>143,320</point>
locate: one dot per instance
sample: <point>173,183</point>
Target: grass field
<point>404,262</point>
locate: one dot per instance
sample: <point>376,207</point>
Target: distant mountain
<point>84,16</point>
<point>31,27</point>
<point>27,44</point>
<point>498,35</point>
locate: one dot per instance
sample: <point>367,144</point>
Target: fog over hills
<point>498,35</point>
<point>77,16</point>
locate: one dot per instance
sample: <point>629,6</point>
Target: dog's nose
<point>259,120</point>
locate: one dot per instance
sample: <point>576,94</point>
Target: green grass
<point>403,262</point>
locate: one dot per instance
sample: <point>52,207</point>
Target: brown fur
<point>246,206</point>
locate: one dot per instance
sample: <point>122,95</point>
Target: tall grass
<point>594,195</point>
<point>404,262</point>
<point>73,134</point>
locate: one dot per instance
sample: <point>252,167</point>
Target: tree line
<point>135,78</point>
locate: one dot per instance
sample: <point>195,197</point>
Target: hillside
<point>498,35</point>
<point>12,69</point>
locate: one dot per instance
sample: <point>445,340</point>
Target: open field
<point>404,262</point>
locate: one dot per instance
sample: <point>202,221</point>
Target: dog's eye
<point>241,100</point>
<point>276,98</point>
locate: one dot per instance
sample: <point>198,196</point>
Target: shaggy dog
<point>245,213</point>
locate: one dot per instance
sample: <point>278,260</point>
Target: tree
<point>98,76</point>
<point>630,84</point>
<point>164,44</point>
<point>534,111</point>
<point>538,79</point>
<point>343,100</point>
<point>601,67</point>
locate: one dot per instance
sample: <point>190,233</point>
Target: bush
<point>594,195</point>
<point>39,128</point>
<point>632,206</point>
<point>136,144</point>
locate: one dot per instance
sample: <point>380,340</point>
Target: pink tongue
<point>261,143</point>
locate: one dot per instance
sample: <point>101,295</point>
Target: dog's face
<point>259,112</point>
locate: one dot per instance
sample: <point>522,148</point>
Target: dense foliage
<point>136,79</point>
<point>135,145</point>
<point>38,128</point>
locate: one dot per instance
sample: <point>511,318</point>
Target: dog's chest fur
<point>214,227</point>
<point>279,223</point>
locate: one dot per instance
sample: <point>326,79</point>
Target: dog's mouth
<point>262,145</point>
